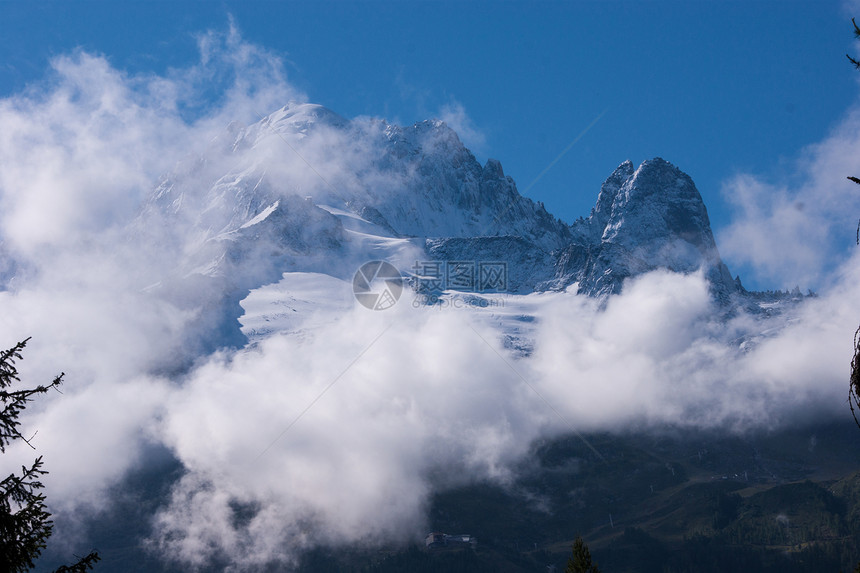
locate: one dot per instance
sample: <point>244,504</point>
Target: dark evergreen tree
<point>25,524</point>
<point>580,559</point>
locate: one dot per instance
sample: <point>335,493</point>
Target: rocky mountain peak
<point>645,218</point>
<point>657,203</point>
<point>602,210</point>
<point>492,170</point>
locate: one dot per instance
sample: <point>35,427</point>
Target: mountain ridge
<point>636,225</point>
<point>305,190</point>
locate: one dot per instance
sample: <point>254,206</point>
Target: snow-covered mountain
<point>307,191</point>
<point>645,218</point>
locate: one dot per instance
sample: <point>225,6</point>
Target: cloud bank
<point>340,433</point>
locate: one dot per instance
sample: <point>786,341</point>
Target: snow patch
<point>262,216</point>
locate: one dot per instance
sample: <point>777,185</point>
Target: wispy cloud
<point>454,114</point>
<point>797,230</point>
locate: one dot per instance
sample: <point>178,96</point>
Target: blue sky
<point>718,88</point>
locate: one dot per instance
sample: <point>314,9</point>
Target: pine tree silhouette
<point>580,559</point>
<point>25,524</point>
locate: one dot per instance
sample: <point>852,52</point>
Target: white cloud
<point>455,116</point>
<point>433,403</point>
<point>797,232</point>
<point>429,397</point>
<point>81,150</point>
<point>660,355</point>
